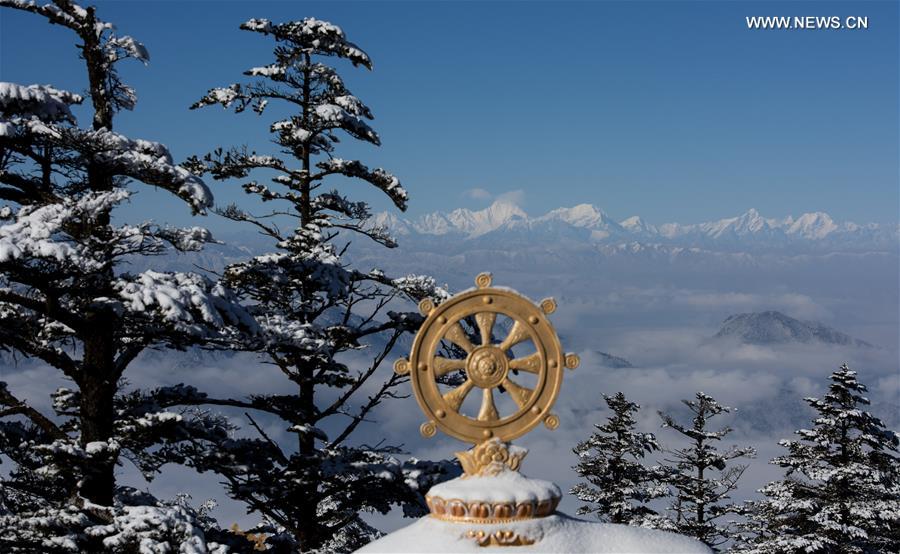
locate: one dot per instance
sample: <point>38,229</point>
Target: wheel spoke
<point>485,325</point>
<point>519,394</point>
<point>443,366</point>
<point>488,410</point>
<point>457,336</point>
<point>530,363</point>
<point>517,334</point>
<point>455,397</point>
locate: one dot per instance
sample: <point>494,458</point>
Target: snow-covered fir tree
<point>841,491</point>
<point>319,316</point>
<point>619,485</point>
<point>68,300</point>
<point>701,477</point>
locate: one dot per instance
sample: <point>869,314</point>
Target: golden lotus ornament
<point>488,367</point>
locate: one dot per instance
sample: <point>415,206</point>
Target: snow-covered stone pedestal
<point>554,533</point>
<point>493,505</point>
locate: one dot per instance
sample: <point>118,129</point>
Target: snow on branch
<point>317,268</point>
<point>333,116</point>
<point>74,17</point>
<point>284,331</point>
<point>41,102</point>
<point>340,204</point>
<point>418,287</point>
<point>312,36</point>
<point>273,71</point>
<point>235,162</point>
<point>146,161</point>
<point>100,50</point>
<point>154,529</point>
<point>190,239</point>
<point>189,302</point>
<point>126,47</point>
<point>220,95</point>
<point>43,233</point>
<point>353,105</point>
<point>39,232</point>
<point>383,180</point>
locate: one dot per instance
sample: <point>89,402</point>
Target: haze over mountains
<point>586,222</point>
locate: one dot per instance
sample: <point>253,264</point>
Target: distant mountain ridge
<point>592,224</point>
<point>771,327</point>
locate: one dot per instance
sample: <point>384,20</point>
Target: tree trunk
<point>97,383</point>
<point>310,536</point>
<point>98,73</point>
<point>310,530</point>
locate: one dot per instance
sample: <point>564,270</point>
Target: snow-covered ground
<point>556,533</point>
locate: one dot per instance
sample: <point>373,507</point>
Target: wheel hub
<point>487,366</point>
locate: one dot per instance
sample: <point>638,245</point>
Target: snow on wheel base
<point>507,487</point>
<point>555,533</point>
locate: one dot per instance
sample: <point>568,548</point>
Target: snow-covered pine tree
<point>67,299</point>
<point>619,485</point>
<point>841,492</point>
<point>316,311</point>
<point>701,477</point>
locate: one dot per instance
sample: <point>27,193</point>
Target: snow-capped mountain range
<point>591,223</point>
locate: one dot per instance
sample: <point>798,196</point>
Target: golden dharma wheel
<point>489,365</point>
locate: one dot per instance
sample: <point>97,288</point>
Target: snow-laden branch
<point>146,161</point>
<point>41,232</point>
<point>100,48</point>
<point>380,178</point>
<point>312,36</point>
<point>190,303</point>
<point>42,102</point>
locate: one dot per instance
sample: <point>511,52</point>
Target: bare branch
<point>17,407</point>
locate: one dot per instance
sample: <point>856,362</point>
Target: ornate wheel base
<point>483,512</point>
<point>491,492</point>
<point>499,538</point>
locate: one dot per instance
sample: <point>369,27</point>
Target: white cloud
<point>477,194</point>
<point>796,305</point>
<point>516,197</point>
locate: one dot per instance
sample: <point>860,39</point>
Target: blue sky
<point>673,111</point>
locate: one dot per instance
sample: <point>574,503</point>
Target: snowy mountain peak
<point>389,220</point>
<point>484,221</point>
<point>771,327</point>
<point>635,224</point>
<point>814,225</point>
<point>750,222</point>
<point>582,215</point>
<point>501,212</point>
<point>469,222</point>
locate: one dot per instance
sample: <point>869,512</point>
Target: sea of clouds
<point>659,313</point>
